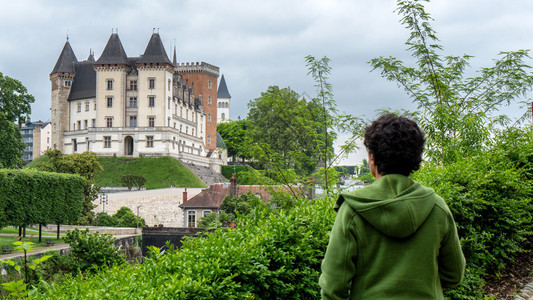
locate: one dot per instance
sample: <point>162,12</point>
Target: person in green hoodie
<point>393,239</point>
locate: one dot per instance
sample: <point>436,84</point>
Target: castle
<point>136,106</point>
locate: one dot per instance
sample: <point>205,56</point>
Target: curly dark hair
<point>397,144</point>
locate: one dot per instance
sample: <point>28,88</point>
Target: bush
<point>490,197</point>
<point>131,180</point>
<point>124,217</point>
<point>103,219</point>
<point>274,257</point>
<point>91,251</point>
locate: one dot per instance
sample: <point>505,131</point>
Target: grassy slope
<point>161,172</point>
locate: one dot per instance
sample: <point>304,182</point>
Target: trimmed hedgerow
<point>34,197</point>
<point>273,257</point>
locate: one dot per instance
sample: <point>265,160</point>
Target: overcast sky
<point>258,43</point>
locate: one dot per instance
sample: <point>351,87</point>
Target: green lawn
<point>161,172</point>
<point>13,237</point>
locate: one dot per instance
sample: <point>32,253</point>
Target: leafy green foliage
<point>91,251</point>
<point>131,180</point>
<point>214,220</point>
<point>33,197</point>
<point>12,144</point>
<point>161,172</point>
<point>84,164</point>
<point>124,217</point>
<point>458,114</point>
<point>242,204</point>
<point>233,134</point>
<point>272,257</point>
<point>490,196</point>
<point>242,171</point>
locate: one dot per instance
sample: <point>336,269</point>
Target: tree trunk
<point>58,231</point>
<point>40,232</point>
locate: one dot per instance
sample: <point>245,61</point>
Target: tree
<point>458,114</point>
<point>233,134</point>
<point>14,104</point>
<point>12,144</point>
<point>287,128</point>
<point>84,164</point>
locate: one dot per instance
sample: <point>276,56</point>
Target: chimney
<point>233,185</point>
<point>184,196</point>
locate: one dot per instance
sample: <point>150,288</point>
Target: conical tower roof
<point>114,52</point>
<point>66,60</point>
<point>223,89</point>
<point>155,52</point>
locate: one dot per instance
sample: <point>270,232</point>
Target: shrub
<point>274,257</point>
<point>491,202</point>
<point>131,180</point>
<point>103,219</point>
<point>91,251</point>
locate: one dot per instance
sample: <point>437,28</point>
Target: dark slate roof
<point>223,89</point>
<point>114,52</point>
<point>174,61</point>
<point>84,83</point>
<point>220,141</point>
<point>65,61</point>
<point>155,51</point>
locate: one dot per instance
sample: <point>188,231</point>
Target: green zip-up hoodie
<point>393,239</point>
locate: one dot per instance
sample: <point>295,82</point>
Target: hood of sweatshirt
<point>395,205</point>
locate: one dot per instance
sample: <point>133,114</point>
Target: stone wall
<point>156,207</point>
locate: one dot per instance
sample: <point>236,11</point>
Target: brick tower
<point>203,77</point>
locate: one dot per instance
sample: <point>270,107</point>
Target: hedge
<point>35,197</point>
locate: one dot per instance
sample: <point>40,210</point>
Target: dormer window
<point>68,83</point>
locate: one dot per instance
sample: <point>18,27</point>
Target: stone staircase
<point>206,174</point>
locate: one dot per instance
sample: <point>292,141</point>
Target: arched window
<point>223,116</point>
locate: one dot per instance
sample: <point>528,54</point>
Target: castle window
<point>169,84</point>
<point>107,142</point>
<point>86,106</point>
<point>151,122</point>
<point>68,82</point>
<point>206,212</point>
<point>79,107</point>
<point>73,126</point>
<point>168,102</point>
<point>209,84</point>
<point>209,140</point>
<point>133,85</point>
<point>94,105</point>
<point>187,129</point>
<point>133,121</point>
<point>74,145</point>
<point>209,100</point>
<point>109,84</point>
<point>79,125</point>
<point>109,122</point>
<point>192,131</point>
<point>109,101</point>
<point>218,104</point>
<point>133,101</point>
<point>209,118</point>
<point>223,116</point>
<point>94,123</point>
<point>151,101</point>
<point>151,83</point>
<point>149,141</point>
<point>86,123</point>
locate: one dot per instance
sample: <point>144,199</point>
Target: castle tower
<point>111,70</point>
<point>61,79</point>
<point>223,101</point>
<point>204,77</point>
